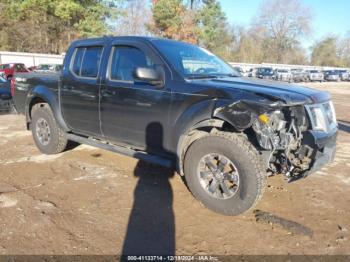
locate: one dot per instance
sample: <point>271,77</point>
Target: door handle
<point>109,92</point>
<point>68,88</point>
<point>144,104</point>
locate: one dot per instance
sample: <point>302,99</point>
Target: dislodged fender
<point>47,95</point>
<point>242,113</point>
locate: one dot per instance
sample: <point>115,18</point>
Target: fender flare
<point>50,97</point>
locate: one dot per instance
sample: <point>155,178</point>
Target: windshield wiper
<point>201,76</point>
<point>230,75</point>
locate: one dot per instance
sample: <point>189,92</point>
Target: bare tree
<point>283,23</point>
<point>343,50</point>
<point>136,14</point>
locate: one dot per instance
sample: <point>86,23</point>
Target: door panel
<point>80,91</point>
<point>132,112</point>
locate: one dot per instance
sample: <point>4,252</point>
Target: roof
<point>98,40</point>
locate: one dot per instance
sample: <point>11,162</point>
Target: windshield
<point>192,61</point>
<point>265,70</point>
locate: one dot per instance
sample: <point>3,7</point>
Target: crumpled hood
<point>290,94</point>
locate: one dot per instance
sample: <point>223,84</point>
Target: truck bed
<point>25,82</point>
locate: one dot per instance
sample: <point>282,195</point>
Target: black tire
<point>57,141</point>
<point>252,177</point>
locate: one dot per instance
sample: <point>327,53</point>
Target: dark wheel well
<point>197,133</point>
<point>35,101</point>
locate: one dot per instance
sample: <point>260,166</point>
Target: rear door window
<point>87,61</point>
<point>78,58</point>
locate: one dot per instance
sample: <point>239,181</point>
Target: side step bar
<point>141,155</point>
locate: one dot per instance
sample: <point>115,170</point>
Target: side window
<point>19,67</point>
<point>87,61</point>
<point>125,60</point>
<point>79,53</point>
<point>91,62</point>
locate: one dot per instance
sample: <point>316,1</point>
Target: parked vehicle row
<point>295,75</point>
<point>7,71</point>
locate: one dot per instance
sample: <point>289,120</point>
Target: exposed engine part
<point>280,132</point>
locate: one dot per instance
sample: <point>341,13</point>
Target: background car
<point>282,75</point>
<point>315,75</point>
<point>32,68</point>
<point>48,68</point>
<point>264,72</point>
<point>343,75</point>
<point>299,75</point>
<point>239,70</point>
<point>252,72</point>
<point>331,75</point>
<point>10,69</point>
<point>5,95</point>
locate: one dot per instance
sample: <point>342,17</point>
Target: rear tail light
<point>12,86</point>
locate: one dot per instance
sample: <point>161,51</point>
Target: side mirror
<point>149,75</point>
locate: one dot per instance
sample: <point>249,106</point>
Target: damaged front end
<point>281,133</point>
<point>295,140</point>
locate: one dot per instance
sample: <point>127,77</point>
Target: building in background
<point>30,59</point>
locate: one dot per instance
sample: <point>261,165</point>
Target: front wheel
<point>47,135</point>
<point>224,172</point>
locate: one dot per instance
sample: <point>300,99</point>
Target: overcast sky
<point>329,16</point>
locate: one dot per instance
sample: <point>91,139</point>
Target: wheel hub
<point>43,132</point>
<point>218,176</point>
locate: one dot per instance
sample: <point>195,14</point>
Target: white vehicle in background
<point>283,75</point>
<point>331,75</point>
<point>240,70</point>
<point>344,75</point>
<point>315,75</point>
<point>299,75</point>
<point>251,72</point>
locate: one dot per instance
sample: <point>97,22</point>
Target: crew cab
<point>179,105</point>
<point>8,70</point>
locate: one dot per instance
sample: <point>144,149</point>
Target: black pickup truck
<point>179,105</point>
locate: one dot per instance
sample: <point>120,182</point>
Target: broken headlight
<point>322,116</point>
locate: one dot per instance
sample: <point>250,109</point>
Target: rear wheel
<point>47,135</point>
<point>224,172</point>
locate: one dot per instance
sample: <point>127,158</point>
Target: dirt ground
<point>90,201</point>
